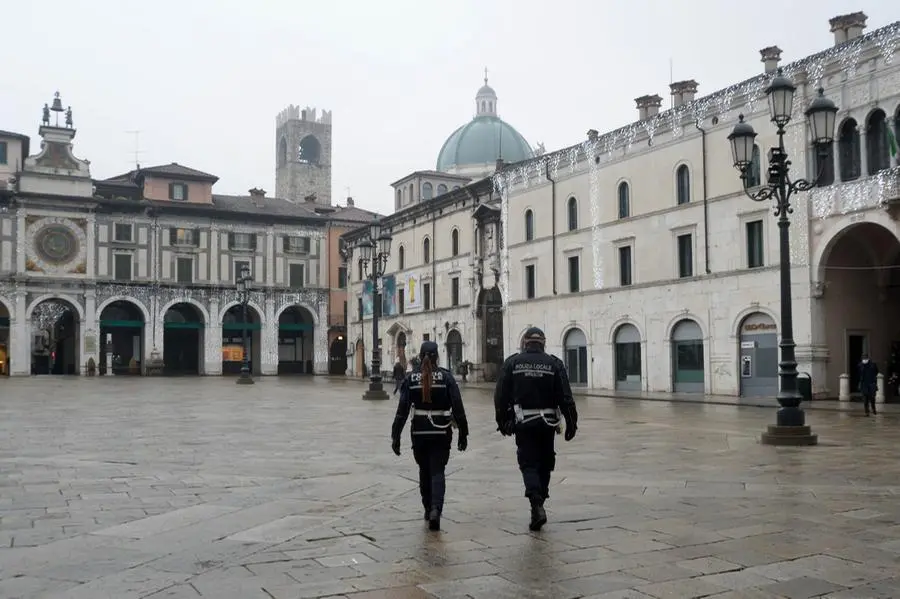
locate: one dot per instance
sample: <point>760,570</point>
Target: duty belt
<point>551,416</point>
<point>430,414</point>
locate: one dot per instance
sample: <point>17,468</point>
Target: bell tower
<point>303,155</point>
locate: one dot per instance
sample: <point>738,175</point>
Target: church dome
<point>484,139</point>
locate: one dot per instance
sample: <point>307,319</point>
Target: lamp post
<point>374,253</point>
<point>790,427</point>
<point>243,287</point>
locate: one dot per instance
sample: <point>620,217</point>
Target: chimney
<point>648,106</point>
<point>593,135</point>
<point>847,27</point>
<point>350,203</point>
<point>771,56</point>
<point>683,92</point>
<point>258,196</point>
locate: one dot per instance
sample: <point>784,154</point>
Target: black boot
<point>538,515</point>
<point>434,519</point>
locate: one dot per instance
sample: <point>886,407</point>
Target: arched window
<point>482,106</point>
<point>455,187</point>
<point>442,189</point>
<point>624,200</point>
<point>401,258</point>
<point>427,191</point>
<point>426,250</point>
<point>754,171</point>
<point>572,213</point>
<point>399,201</point>
<point>849,155</point>
<point>683,185</point>
<point>878,155</point>
<point>282,152</point>
<point>529,225</point>
<point>454,242</point>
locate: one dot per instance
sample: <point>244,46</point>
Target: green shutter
<point>253,242</point>
<point>231,241</point>
<point>171,191</point>
<point>173,236</point>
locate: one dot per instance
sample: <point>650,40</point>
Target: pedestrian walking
<point>868,382</point>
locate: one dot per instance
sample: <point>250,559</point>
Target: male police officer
<point>433,396</point>
<point>531,399</point>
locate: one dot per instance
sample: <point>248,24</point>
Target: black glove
<point>571,426</point>
<point>395,446</point>
<point>509,427</point>
<point>462,443</point>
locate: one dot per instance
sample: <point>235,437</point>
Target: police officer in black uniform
<point>433,396</point>
<point>531,399</point>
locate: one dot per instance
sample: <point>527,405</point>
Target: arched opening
<point>849,155</point>
<point>441,189</point>
<point>400,348</point>
<point>183,333</point>
<point>282,152</point>
<point>627,344</point>
<point>426,250</point>
<point>572,213</point>
<point>683,185</point>
<point>754,172</point>
<point>687,357</point>
<point>576,359</point>
<point>233,324</point>
<point>5,349</point>
<point>401,258</point>
<point>399,202</point>
<point>529,225</point>
<point>878,157</point>
<point>758,356</point>
<point>624,200</point>
<point>296,341</point>
<point>427,191</point>
<point>55,338</point>
<point>862,300</point>
<point>492,350</point>
<point>337,356</point>
<point>121,338</point>
<point>310,150</point>
<point>360,361</point>
<point>454,350</point>
<point>454,242</point>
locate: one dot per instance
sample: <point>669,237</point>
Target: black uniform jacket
<point>534,380</point>
<point>430,419</point>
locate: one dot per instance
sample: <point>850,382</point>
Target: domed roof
<point>486,90</point>
<point>482,141</point>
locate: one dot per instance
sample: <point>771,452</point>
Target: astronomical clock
<point>56,245</point>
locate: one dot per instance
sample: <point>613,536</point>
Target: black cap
<point>534,335</point>
<point>428,347</point>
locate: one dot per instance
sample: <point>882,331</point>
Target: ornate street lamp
<point>790,427</point>
<point>243,287</point>
<point>373,253</point>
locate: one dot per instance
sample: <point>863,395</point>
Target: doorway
<point>857,345</point>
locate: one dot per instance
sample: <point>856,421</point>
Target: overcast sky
<point>202,80</point>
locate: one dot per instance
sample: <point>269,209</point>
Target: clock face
<point>56,245</point>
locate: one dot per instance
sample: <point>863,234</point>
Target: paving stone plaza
<point>126,488</point>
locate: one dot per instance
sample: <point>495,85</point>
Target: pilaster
<point>212,341</point>
<point>321,338</point>
<point>88,335</point>
<point>19,337</point>
<point>269,334</point>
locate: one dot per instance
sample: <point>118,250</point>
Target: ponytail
<point>427,374</point>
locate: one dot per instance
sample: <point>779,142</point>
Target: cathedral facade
<point>640,255</point>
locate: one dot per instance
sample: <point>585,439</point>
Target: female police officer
<point>433,396</point>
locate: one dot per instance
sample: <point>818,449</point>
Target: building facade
<point>647,266</point>
<point>117,275</point>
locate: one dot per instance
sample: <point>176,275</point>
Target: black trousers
<point>869,400</point>
<point>432,452</point>
<point>537,459</point>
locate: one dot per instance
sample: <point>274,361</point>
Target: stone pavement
<point>123,488</point>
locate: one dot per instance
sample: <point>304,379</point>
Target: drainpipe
<point>552,223</point>
<point>705,196</point>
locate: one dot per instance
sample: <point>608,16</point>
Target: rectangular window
<point>685,256</point>
<point>359,307</point>
<point>122,232</point>
<point>342,277</point>
<point>574,275</point>
<point>625,265</point>
<point>184,237</point>
<point>755,244</point>
<point>122,267</point>
<point>242,241</point>
<point>401,301</point>
<point>3,156</point>
<point>297,245</point>
<point>239,267</point>
<point>426,337</point>
<point>530,283</point>
<point>184,270</point>
<point>296,275</point>
<point>454,291</point>
<point>178,192</point>
<point>426,295</point>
